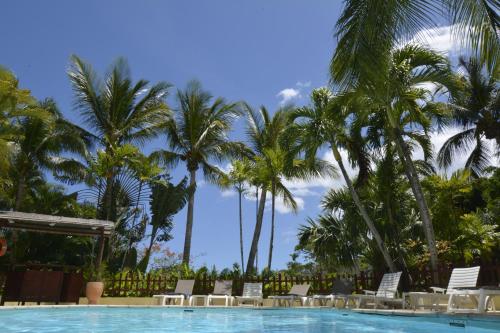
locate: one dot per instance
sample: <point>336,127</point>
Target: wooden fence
<point>132,284</point>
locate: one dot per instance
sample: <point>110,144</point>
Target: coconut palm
<point>237,178</point>
<point>117,111</point>
<point>326,122</point>
<point>39,146</point>
<point>196,135</point>
<point>274,161</point>
<point>402,110</point>
<point>368,29</point>
<point>477,111</point>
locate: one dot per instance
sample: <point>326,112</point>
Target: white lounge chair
<point>386,293</point>
<point>183,291</point>
<point>222,290</point>
<point>298,292</point>
<point>460,278</point>
<point>340,291</point>
<point>252,292</point>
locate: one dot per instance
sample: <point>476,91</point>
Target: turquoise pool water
<point>102,319</point>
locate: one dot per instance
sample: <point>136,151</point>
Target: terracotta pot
<point>94,291</point>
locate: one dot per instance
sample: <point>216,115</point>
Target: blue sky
<point>263,52</point>
<point>242,50</point>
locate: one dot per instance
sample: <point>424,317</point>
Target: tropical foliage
<point>401,206</point>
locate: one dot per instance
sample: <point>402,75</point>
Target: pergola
<point>59,225</point>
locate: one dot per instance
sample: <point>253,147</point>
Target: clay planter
<point>94,291</point>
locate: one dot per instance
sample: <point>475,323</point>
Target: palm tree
<point>368,29</point>
<point>117,111</point>
<point>402,110</point>
<point>238,177</point>
<point>477,111</point>
<point>262,132</point>
<point>196,135</point>
<point>39,145</point>
<point>274,161</point>
<point>326,122</point>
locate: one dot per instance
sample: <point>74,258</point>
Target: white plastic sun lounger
<point>386,293</point>
<point>461,278</point>
<point>222,290</point>
<point>183,291</point>
<point>341,290</point>
<point>298,292</point>
<point>252,292</point>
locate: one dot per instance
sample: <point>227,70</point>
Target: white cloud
<point>438,139</point>
<point>228,193</point>
<point>439,39</point>
<point>289,94</point>
<point>283,209</point>
<point>301,84</point>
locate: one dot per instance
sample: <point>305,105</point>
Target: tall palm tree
<point>477,111</point>
<point>403,110</point>
<point>326,122</point>
<point>196,135</point>
<point>117,111</point>
<point>39,145</point>
<point>368,29</point>
<point>238,178</point>
<point>263,132</point>
<point>274,161</point>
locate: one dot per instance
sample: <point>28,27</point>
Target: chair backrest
<point>463,278</point>
<point>252,290</point>
<point>223,287</point>
<point>389,285</point>
<point>342,287</point>
<point>184,287</point>
<point>300,289</point>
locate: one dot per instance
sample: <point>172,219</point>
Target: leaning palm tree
<point>196,135</point>
<point>368,29</point>
<point>39,146</point>
<point>117,111</point>
<point>274,161</point>
<point>476,110</point>
<point>326,122</point>
<point>403,111</point>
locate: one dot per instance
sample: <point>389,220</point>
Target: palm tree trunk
<point>412,175</point>
<point>271,240</point>
<point>256,233</point>
<point>241,231</point>
<point>363,212</point>
<point>20,193</point>
<point>256,218</point>
<point>189,223</point>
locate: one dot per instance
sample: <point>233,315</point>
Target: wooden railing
<point>144,285</point>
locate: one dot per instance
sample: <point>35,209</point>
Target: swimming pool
<point>107,319</point>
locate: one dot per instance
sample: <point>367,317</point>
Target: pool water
<point>105,319</point>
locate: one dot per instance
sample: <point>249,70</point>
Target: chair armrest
<point>438,290</point>
<point>369,292</point>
